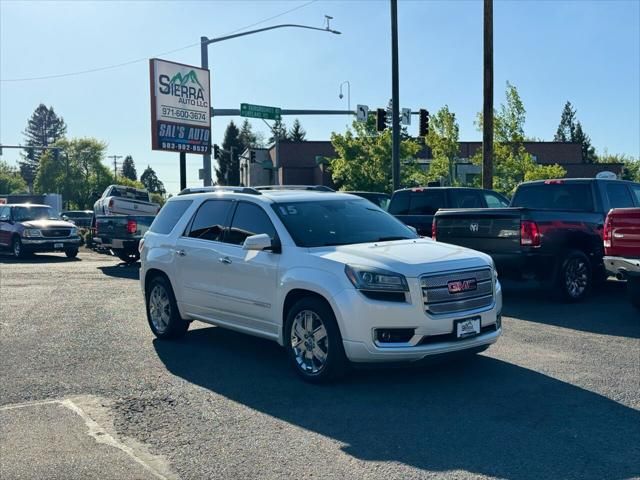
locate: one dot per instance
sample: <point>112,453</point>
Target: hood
<point>411,258</point>
<point>47,224</point>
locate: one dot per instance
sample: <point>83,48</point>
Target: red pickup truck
<point>622,248</point>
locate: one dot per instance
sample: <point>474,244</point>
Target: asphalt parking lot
<point>87,392</point>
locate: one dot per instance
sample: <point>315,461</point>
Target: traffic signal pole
<point>395,94</point>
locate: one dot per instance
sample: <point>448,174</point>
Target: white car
<point>329,276</point>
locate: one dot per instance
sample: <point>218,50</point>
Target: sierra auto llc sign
<point>180,107</point>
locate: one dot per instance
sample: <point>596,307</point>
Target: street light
<point>341,96</point>
<point>204,63</point>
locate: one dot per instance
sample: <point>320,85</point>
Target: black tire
<point>163,317</point>
<point>71,253</point>
<point>335,363</point>
<point>633,287</point>
<point>17,248</point>
<point>575,277</point>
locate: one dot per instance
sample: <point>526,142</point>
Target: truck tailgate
<point>117,226</point>
<point>489,230</point>
<point>127,206</point>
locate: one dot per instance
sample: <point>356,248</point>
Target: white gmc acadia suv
<point>329,276</point>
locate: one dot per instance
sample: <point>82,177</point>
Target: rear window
<point>169,216</point>
<point>466,199</point>
<point>425,202</point>
<point>555,196</point>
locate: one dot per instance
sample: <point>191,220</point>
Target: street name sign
<point>180,107</point>
<point>362,113</point>
<point>260,111</point>
<point>406,116</point>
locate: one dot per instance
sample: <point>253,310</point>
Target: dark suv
<point>27,228</point>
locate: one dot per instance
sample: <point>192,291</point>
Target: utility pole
<point>115,165</point>
<point>487,111</point>
<point>395,93</point>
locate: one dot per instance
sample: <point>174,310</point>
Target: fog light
<point>499,321</point>
<point>394,335</point>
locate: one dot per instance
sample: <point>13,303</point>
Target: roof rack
<point>315,188</point>
<point>192,190</point>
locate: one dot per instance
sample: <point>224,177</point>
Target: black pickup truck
<point>552,232</point>
<point>121,234</point>
<point>417,206</point>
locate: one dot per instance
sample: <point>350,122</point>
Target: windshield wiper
<point>389,239</point>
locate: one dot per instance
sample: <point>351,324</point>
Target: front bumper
<point>623,267</point>
<point>50,244</point>
<point>359,318</point>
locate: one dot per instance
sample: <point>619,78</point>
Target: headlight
<point>366,278</point>
<point>73,232</point>
<point>32,232</point>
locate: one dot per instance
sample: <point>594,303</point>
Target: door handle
<point>182,253</point>
<point>225,260</point>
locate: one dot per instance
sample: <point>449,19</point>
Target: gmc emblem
<point>459,286</point>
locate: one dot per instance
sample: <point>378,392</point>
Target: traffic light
<point>216,152</point>
<point>381,119</point>
<point>252,156</point>
<point>424,122</point>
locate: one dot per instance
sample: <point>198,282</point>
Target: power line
<point>131,62</point>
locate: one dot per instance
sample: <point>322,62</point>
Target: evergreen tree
<point>567,127</point>
<point>279,131</point>
<point>43,129</point>
<point>151,181</point>
<point>297,133</point>
<point>228,171</point>
<point>248,139</point>
<point>570,130</point>
<point>588,151</point>
<point>129,168</point>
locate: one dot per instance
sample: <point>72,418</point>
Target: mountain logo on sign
<point>190,77</point>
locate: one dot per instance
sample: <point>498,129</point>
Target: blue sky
<point>584,51</point>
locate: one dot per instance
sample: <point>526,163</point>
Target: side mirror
<point>259,242</point>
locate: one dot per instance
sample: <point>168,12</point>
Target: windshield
<point>339,222</point>
<point>25,214</point>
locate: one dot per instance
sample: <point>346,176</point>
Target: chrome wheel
<point>576,277</point>
<point>309,341</point>
<point>159,308</point>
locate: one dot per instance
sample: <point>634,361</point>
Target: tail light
<point>434,229</point>
<point>606,234</point>
<point>111,203</point>
<point>529,234</point>
<point>132,226</point>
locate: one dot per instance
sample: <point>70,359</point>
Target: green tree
<point>512,164</point>
<point>10,180</point>
<point>363,159</point>
<point>442,139</point>
<point>151,182</point>
<point>44,128</point>
<point>248,138</point>
<point>77,172</point>
<point>567,128</point>
<point>570,130</point>
<point>129,168</point>
<point>279,131</point>
<point>297,133</point>
<point>228,171</point>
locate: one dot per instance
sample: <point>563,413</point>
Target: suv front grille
<point>460,291</point>
<point>55,232</point>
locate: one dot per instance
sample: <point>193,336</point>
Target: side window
<point>169,215</point>
<point>210,220</point>
<point>466,199</point>
<point>399,204</point>
<point>619,195</point>
<point>4,213</point>
<point>636,193</point>
<point>249,220</point>
<point>495,201</point>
